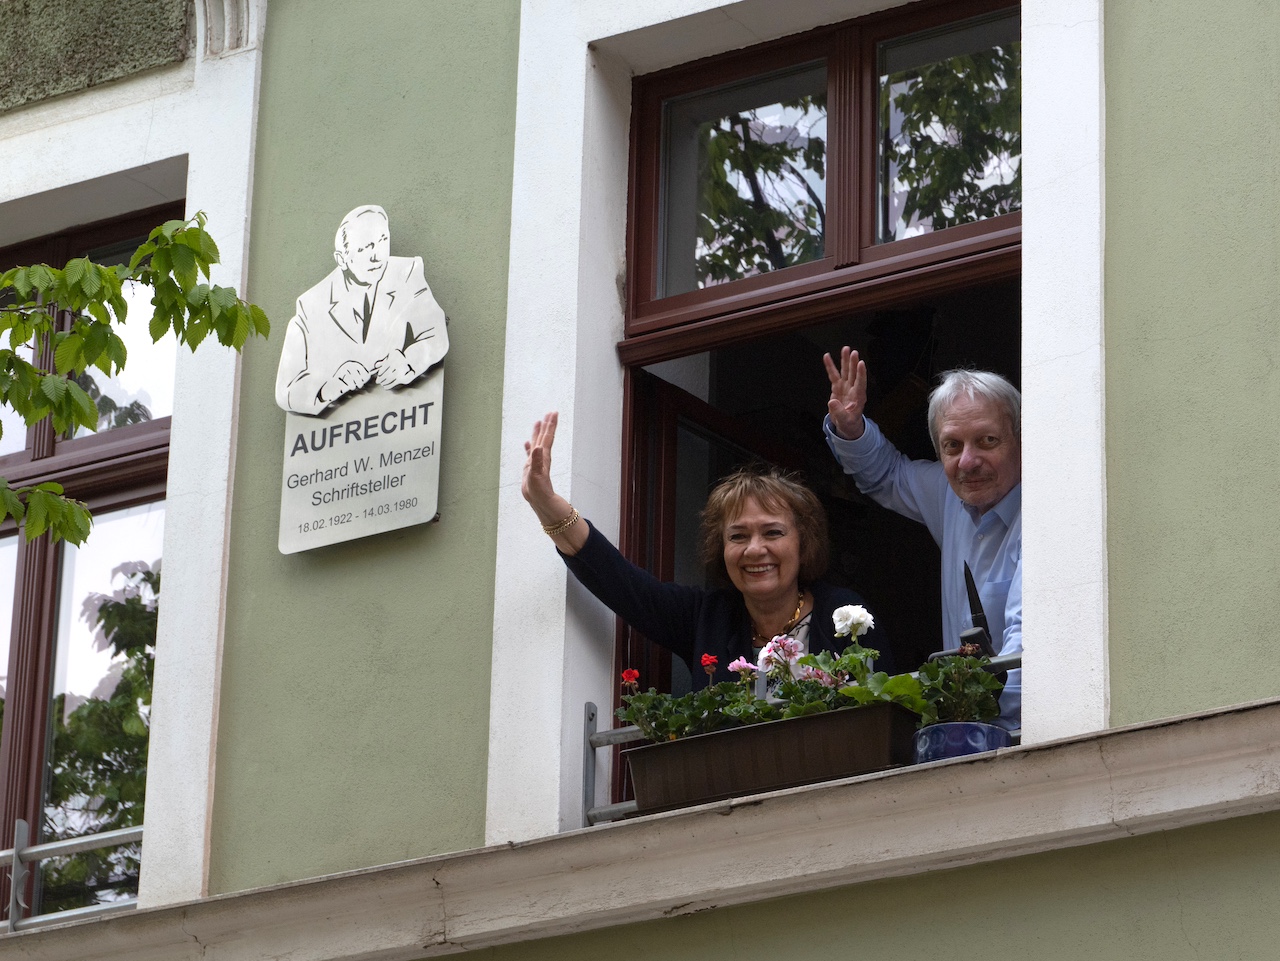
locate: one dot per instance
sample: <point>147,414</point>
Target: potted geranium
<point>724,741</point>
<point>961,698</point>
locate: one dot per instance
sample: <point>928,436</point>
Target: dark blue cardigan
<point>689,621</point>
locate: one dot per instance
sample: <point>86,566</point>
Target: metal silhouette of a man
<point>373,318</point>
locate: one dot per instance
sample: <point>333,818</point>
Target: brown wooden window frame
<point>856,272</point>
<point>112,470</point>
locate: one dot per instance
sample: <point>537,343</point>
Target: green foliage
<point>961,121</point>
<point>98,756</point>
<point>959,688</point>
<point>664,717</point>
<point>827,683</point>
<point>73,315</point>
<point>756,210</point>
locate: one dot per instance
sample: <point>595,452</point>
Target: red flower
<point>709,660</point>
<point>630,676</point>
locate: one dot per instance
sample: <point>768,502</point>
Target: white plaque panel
<point>370,465</point>
<point>361,383</point>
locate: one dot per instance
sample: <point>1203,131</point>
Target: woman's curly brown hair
<point>776,491</point>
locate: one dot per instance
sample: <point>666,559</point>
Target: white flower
<point>781,652</point>
<point>852,619</point>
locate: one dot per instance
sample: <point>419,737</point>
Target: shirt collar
<point>1007,508</point>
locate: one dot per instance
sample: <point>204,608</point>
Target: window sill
<point>1129,781</point>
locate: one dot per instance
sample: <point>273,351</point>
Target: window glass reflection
<point>950,127</point>
<point>142,391</point>
<point>744,179</point>
<point>101,697</point>
<point>8,577</point>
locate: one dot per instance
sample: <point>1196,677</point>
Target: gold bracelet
<point>554,530</point>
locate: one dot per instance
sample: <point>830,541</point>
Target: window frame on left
<point>116,469</point>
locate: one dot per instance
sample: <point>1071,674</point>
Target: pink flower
<point>781,652</point>
<point>819,675</point>
<point>742,664</point>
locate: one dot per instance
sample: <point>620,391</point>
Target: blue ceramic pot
<point>958,738</point>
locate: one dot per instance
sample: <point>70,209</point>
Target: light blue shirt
<point>991,543</point>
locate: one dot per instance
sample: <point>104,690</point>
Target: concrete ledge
<point>1135,780</point>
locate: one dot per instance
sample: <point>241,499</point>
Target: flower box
<point>771,756</point>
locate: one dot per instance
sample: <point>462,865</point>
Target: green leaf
<point>37,521</point>
<point>76,269</point>
<point>159,325</point>
<point>93,278</point>
<point>259,318</point>
<point>10,503</point>
<point>68,354</point>
<point>241,332</point>
<point>98,311</point>
<point>22,282</point>
<point>184,264</point>
<point>95,341</point>
<point>86,409</point>
<point>141,254</point>
<point>117,353</point>
<point>43,278</point>
<point>133,724</point>
<point>54,387</point>
<point>79,522</point>
<point>170,227</point>
<point>222,298</point>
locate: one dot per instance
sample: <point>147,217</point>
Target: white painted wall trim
<point>1152,777</point>
<point>564,315</point>
<point>46,148</point>
<point>1064,502</point>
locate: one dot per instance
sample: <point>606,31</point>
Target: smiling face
<point>762,552</point>
<point>368,244</point>
<point>980,453</point>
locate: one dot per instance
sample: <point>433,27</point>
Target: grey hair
<point>973,384</point>
<point>340,238</point>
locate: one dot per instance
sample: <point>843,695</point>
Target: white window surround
<point>564,316</point>
<point>131,135</point>
<point>1159,776</point>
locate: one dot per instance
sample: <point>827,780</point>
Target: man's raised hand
<point>848,393</point>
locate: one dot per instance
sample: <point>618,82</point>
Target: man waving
<point>970,499</point>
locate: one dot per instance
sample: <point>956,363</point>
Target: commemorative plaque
<point>361,382</point>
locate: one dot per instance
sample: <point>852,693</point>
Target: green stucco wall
<point>1192,351</point>
<point>1191,895</point>
<point>354,701</point>
<point>48,47</point>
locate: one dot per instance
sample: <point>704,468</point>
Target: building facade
<point>375,749</point>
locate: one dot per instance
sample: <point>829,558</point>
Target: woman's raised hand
<point>552,509</point>
<point>536,482</point>
<point>848,393</point>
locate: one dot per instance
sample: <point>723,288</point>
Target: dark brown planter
<point>771,756</point>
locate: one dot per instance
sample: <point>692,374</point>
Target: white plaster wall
<point>204,109</point>
<point>576,60</point>
<point>1064,506</point>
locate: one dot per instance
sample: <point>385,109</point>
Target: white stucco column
<point>1064,500</point>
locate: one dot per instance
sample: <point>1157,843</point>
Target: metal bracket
<point>588,761</point>
<point>18,873</point>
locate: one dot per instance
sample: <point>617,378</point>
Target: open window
<point>857,185</point>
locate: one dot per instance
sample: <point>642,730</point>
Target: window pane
<point>8,576</point>
<point>99,715</point>
<point>950,127</point>
<point>144,389</point>
<point>744,179</point>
